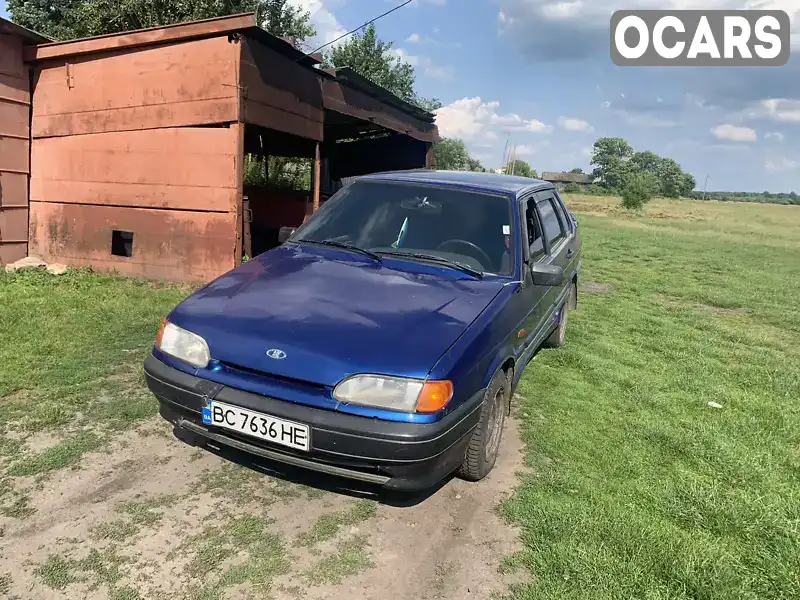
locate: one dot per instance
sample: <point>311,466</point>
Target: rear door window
<point>553,229</point>
<point>563,215</point>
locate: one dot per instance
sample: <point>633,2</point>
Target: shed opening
<point>122,243</point>
<point>277,186</point>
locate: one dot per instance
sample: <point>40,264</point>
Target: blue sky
<point>538,73</point>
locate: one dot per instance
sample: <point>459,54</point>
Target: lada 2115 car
<point>383,339</point>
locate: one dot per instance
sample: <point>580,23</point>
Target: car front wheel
<point>485,443</point>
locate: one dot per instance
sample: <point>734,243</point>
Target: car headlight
<point>184,345</point>
<point>395,393</point>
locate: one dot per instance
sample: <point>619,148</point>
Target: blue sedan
<point>383,339</point>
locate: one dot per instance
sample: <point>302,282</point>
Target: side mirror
<point>550,275</point>
<point>285,233</point>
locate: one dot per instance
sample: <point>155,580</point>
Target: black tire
<point>559,336</point>
<point>484,446</point>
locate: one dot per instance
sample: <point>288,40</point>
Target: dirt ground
<point>150,516</point>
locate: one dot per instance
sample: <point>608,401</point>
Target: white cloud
<point>424,65</point>
<point>572,124</point>
<point>783,164</point>
<point>558,11</point>
<point>477,121</point>
<point>734,133</point>
<point>327,26</point>
<point>529,149</point>
<point>585,22</point>
<point>467,118</point>
<point>414,38</point>
<point>774,135</point>
<point>781,109</point>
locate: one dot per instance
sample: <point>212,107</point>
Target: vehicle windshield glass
<point>470,228</point>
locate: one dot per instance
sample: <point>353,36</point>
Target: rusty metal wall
<point>278,93</point>
<point>340,98</point>
<point>170,244</point>
<point>143,141</point>
<point>175,189</point>
<point>14,150</point>
<point>174,85</point>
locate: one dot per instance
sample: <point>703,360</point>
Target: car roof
<point>490,182</point>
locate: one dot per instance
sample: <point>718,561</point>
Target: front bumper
<point>401,456</point>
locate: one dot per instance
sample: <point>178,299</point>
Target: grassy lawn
<point>640,489</point>
<point>71,351</point>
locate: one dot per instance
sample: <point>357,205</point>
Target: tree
<point>611,157</point>
<point>638,190</point>
<point>672,181</point>
<point>646,161</point>
<point>520,168</point>
<point>475,165</point>
<point>370,57</point>
<point>70,19</point>
<point>577,171</point>
<point>284,20</point>
<point>688,185</point>
<point>670,178</point>
<point>429,104</point>
<point>451,154</point>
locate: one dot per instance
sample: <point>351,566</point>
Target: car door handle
<point>570,252</point>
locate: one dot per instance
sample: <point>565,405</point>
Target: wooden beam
<point>315,181</point>
<point>144,37</point>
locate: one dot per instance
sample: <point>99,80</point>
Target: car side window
<point>535,238</point>
<point>563,215</point>
<point>551,225</point>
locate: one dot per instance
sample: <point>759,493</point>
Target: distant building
<point>562,179</point>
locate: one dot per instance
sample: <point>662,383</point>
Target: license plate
<point>259,425</point>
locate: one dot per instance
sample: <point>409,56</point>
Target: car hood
<point>332,314</point>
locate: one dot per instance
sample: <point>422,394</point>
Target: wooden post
<point>430,158</point>
<point>315,181</point>
<point>247,219</point>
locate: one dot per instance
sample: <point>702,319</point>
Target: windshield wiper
<point>346,246</point>
<point>440,259</point>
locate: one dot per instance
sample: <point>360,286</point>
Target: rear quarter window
<point>550,222</point>
<point>563,215</point>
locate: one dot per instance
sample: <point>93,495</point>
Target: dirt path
<point>152,517</point>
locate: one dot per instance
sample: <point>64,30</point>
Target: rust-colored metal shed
<point>138,141</point>
<point>15,106</point>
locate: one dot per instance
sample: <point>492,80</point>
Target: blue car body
<point>330,313</point>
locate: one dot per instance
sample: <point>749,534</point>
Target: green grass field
<point>637,488</point>
<point>640,489</point>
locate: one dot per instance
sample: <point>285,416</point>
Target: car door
<point>533,296</point>
<point>558,238</point>
<point>570,228</point>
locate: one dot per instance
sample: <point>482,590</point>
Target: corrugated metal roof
<point>29,36</point>
<point>244,23</point>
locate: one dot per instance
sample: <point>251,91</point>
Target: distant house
<point>562,179</point>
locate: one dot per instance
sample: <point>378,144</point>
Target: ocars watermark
<point>700,38</point>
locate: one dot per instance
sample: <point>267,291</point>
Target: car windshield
<point>470,228</point>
